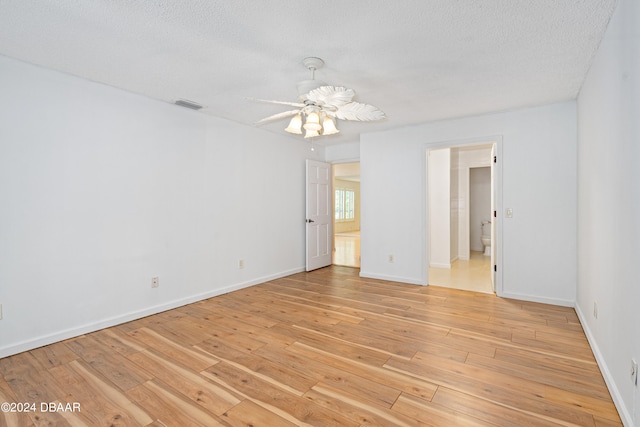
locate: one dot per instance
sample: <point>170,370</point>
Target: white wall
<point>538,161</point>
<point>609,206</point>
<point>479,205</point>
<point>454,204</point>
<point>439,214</point>
<point>101,189</point>
<point>342,152</point>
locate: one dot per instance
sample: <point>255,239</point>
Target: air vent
<point>188,104</point>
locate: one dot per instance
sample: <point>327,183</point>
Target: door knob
<point>310,220</point>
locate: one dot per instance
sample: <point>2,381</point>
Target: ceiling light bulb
<point>295,125</point>
<point>311,133</point>
<point>313,122</point>
<point>328,127</point>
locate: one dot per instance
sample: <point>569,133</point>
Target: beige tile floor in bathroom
<point>470,275</point>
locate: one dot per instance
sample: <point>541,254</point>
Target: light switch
<point>508,213</point>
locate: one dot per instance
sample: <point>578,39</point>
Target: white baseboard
<point>30,344</point>
<point>438,265</point>
<point>623,411</point>
<point>534,298</point>
<point>411,281</point>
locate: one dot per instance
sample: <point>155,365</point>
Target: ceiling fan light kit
<point>328,127</point>
<point>313,122</point>
<point>312,125</point>
<point>295,125</point>
<point>320,102</point>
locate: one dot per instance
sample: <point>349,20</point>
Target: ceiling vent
<point>188,104</point>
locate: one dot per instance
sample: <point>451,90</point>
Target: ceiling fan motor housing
<point>305,86</point>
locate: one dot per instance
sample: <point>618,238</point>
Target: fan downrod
<point>305,86</point>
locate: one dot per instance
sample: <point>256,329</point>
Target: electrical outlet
<point>155,282</point>
<point>634,372</point>
<point>241,264</point>
<point>390,259</point>
<point>595,310</point>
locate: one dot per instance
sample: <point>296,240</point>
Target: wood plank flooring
<point>347,249</point>
<point>325,348</point>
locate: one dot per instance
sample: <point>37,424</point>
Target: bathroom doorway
<point>461,223</point>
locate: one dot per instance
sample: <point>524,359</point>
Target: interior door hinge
<point>495,268</point>
<point>495,159</point>
<point>495,214</point>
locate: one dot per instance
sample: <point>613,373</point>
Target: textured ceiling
<point>417,60</point>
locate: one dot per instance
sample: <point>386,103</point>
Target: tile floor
<point>470,275</point>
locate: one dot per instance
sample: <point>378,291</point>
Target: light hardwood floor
<point>325,348</point>
<point>347,249</point>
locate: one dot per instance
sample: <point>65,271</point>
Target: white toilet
<point>486,237</point>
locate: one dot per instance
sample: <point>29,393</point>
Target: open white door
<point>494,217</point>
<point>319,210</point>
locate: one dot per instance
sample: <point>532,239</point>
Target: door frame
<point>497,190</point>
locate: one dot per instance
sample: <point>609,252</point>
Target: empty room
<point>322,213</point>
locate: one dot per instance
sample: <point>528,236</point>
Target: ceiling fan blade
<point>330,96</point>
<point>359,112</point>
<point>268,101</point>
<point>278,116</point>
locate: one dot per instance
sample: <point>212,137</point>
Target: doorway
<point>346,238</point>
<point>461,226</point>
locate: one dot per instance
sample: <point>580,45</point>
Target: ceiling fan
<point>320,104</point>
